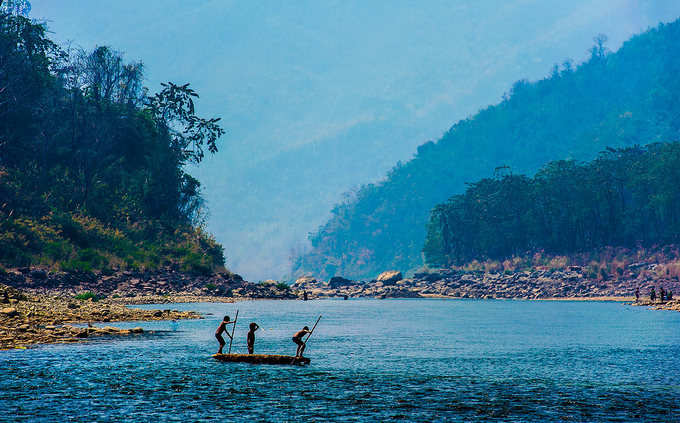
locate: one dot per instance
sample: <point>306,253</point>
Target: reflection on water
<point>412,360</point>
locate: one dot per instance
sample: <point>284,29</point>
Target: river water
<point>372,360</point>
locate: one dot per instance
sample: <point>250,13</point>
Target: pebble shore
<point>570,283</point>
<point>30,319</point>
<point>659,305</point>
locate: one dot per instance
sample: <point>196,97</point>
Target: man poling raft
<point>222,328</point>
<point>272,358</point>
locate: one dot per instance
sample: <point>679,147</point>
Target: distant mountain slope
<point>613,99</point>
<point>628,197</point>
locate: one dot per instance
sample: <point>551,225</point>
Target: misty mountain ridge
<point>359,79</point>
<point>611,100</point>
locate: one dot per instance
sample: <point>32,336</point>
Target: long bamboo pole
<point>307,339</point>
<point>312,331</point>
<point>232,331</point>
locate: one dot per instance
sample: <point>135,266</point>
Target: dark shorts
<point>220,339</point>
<point>298,341</point>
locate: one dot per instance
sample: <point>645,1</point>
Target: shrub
<point>282,286</point>
<point>88,295</point>
<point>86,261</point>
<point>58,249</point>
<point>131,264</point>
<point>603,274</point>
<point>195,263</point>
<point>79,243</point>
<point>70,229</point>
<point>75,266</point>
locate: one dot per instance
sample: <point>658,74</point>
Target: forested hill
<point>91,164</point>
<point>625,198</point>
<point>611,100</point>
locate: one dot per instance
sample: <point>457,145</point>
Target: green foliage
<point>88,295</point>
<point>625,198</point>
<point>173,108</point>
<point>91,166</point>
<point>282,286</point>
<point>613,99</point>
<point>193,262</point>
<point>15,7</point>
<point>86,260</point>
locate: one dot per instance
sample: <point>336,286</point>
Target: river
<point>372,360</point>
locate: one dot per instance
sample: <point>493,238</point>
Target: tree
<point>174,112</point>
<point>15,7</point>
<point>599,50</point>
<point>624,198</point>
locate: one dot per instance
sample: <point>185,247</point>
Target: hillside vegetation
<point>625,198</point>
<point>611,100</point>
<point>92,164</point>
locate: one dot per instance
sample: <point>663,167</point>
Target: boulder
<point>399,293</point>
<point>39,274</point>
<point>81,333</point>
<point>390,277</point>
<point>9,312</point>
<point>338,281</point>
<point>304,281</point>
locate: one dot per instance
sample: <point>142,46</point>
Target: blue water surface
<point>372,360</point>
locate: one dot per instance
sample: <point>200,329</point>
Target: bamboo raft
<point>262,359</point>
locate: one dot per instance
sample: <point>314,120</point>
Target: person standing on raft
<point>223,328</point>
<point>297,338</point>
<point>251,337</point>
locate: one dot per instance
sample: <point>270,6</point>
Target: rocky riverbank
<point>537,283</point>
<point>659,305</point>
<point>27,319</point>
<point>137,287</point>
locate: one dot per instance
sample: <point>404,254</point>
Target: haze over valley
<point>320,99</point>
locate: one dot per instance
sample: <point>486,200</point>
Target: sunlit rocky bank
<point>37,305</point>
<point>659,305</point>
<point>144,287</point>
<point>572,282</point>
<point>29,319</point>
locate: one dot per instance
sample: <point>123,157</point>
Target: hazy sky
<point>319,97</point>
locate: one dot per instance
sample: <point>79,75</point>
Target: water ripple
<point>370,362</point>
